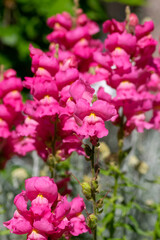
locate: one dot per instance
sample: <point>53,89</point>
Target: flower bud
<point>94,98</point>
<point>99,203</point>
<point>92,221</point>
<point>86,189</point>
<point>94,185</point>
<point>133,19</point>
<point>51,160</point>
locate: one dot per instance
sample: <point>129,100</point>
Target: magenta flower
<point>125,40</point>
<point>111,26</point>
<point>11,107</point>
<point>90,119</point>
<point>49,215</point>
<point>142,30</point>
<point>44,185</point>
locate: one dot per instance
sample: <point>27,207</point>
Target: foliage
<point>129,2</point>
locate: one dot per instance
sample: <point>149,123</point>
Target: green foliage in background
<point>129,2</point>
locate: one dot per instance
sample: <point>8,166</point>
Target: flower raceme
<point>50,214</point>
<point>64,108</point>
<point>60,93</point>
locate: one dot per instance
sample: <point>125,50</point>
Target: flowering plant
<point>65,110</point>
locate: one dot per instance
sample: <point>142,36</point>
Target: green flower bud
<point>99,203</point>
<point>86,189</point>
<point>92,221</point>
<point>94,185</point>
<point>51,160</point>
<point>94,99</point>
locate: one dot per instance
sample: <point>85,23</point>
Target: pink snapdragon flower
<point>90,119</point>
<point>124,40</point>
<point>11,107</point>
<point>50,214</point>
<point>75,36</point>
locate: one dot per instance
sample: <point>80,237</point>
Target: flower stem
<point>116,177</point>
<point>93,191</point>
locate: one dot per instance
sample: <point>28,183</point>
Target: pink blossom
<point>77,206</point>
<point>137,121</point>
<point>36,235</point>
<point>80,89</point>
<point>91,119</point>
<point>125,40</point>
<point>49,215</point>
<point>64,78</point>
<point>41,185</point>
<point>13,99</point>
<point>112,26</point>
<point>63,19</point>
<point>78,225</point>
<point>4,129</point>
<point>144,29</point>
<point>19,224</point>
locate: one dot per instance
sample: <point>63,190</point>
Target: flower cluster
<point>125,63</point>
<point>63,110</point>
<point>131,70</point>
<point>50,215</point>
<point>74,37</point>
<point>11,107</point>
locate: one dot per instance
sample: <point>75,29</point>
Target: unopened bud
<point>92,221</point>
<point>133,19</point>
<point>51,160</point>
<point>95,141</point>
<point>94,185</point>
<point>99,203</point>
<point>86,189</point>
<point>94,99</point>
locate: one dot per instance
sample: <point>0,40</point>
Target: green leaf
<point>124,208</point>
<point>157,229</point>
<point>108,218</point>
<point>135,227</point>
<point>129,2</point>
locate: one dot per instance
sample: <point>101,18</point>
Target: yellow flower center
<point>92,115</point>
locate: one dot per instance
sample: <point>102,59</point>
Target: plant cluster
<point>64,110</point>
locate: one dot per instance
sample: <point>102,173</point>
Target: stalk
<point>52,161</point>
<point>93,191</point>
<point>120,137</point>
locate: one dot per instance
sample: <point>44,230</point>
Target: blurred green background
<point>24,21</point>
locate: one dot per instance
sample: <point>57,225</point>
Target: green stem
<point>157,225</point>
<point>93,192</point>
<point>115,190</point>
<point>52,161</point>
<point>51,171</point>
<point>116,177</point>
